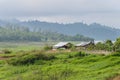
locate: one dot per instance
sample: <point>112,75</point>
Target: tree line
<point>17,33</point>
<point>107,45</point>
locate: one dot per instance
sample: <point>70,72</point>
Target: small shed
<point>84,44</point>
<point>63,45</point>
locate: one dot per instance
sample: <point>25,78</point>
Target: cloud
<point>102,11</point>
<point>57,7</point>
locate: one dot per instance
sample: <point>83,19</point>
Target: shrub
<point>47,47</point>
<point>70,56</point>
<point>30,58</point>
<point>117,50</point>
<point>116,54</point>
<point>80,54</point>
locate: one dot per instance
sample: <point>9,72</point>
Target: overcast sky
<point>101,11</point>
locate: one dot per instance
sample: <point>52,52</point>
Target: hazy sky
<point>101,11</point>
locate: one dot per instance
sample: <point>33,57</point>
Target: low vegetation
<point>107,45</point>
<point>59,65</point>
<point>70,64</point>
<point>30,58</point>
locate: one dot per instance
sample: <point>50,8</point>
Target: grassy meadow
<point>30,61</point>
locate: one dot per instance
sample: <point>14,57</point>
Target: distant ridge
<point>95,30</point>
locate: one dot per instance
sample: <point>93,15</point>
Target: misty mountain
<point>96,31</point>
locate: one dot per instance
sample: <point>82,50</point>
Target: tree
<point>100,46</point>
<point>117,45</point>
<point>108,42</point>
<point>108,45</point>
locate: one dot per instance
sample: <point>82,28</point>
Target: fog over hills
<point>94,30</point>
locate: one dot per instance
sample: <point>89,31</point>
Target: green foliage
<point>107,46</point>
<point>80,54</point>
<point>117,45</point>
<point>116,54</point>
<point>61,65</point>
<point>47,47</point>
<point>77,54</point>
<point>91,47</point>
<point>30,58</point>
<point>39,65</point>
<point>108,42</point>
<point>78,37</point>
<point>16,33</point>
<point>79,67</point>
<point>100,46</point>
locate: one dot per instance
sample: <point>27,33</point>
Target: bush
<point>116,54</point>
<point>70,56</point>
<point>47,47</point>
<point>30,58</point>
<point>80,54</point>
<point>117,50</point>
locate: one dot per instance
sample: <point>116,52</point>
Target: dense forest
<point>15,33</point>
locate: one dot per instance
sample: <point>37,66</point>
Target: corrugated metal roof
<point>60,44</point>
<point>83,44</point>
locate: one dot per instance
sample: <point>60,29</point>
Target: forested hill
<point>16,33</point>
<point>96,31</point>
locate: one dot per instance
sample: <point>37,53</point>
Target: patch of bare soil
<point>115,78</point>
<point>3,58</point>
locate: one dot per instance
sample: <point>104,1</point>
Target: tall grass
<point>30,58</point>
<point>45,65</point>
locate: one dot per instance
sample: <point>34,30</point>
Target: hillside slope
<point>96,31</point>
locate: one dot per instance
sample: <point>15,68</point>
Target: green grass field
<point>34,63</point>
